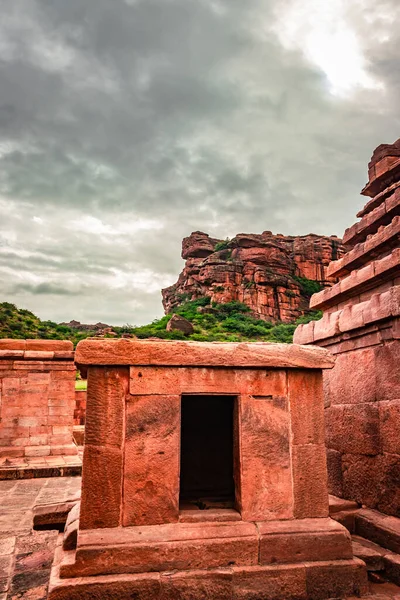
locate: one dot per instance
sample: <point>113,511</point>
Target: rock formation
<point>267,272</point>
<point>361,326</point>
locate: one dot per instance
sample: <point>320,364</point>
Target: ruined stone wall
<point>37,398</point>
<point>361,327</point>
<point>80,407</point>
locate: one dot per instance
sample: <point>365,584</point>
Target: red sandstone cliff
<point>258,270</point>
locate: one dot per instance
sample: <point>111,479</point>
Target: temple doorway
<point>207,451</point>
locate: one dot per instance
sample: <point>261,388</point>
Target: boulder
<point>178,323</point>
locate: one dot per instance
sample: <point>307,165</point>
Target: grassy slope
<point>221,322</point>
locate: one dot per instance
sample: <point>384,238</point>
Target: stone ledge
<point>359,281</point>
<point>370,223</point>
<point>201,354</point>
<point>383,240</point>
<point>36,345</point>
<point>378,199</point>
<point>321,579</point>
<point>381,175</point>
<point>379,307</point>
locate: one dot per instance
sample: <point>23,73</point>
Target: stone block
<point>362,478</point>
<point>193,585</point>
<point>37,451</point>
<point>351,317</point>
<point>389,415</point>
<point>144,586</point>
<point>391,563</point>
<point>353,380</point>
<point>107,390</point>
<point>353,428</point>
<point>387,361</point>
<point>310,481</point>
<point>175,546</point>
<point>327,327</point>
<point>164,381</point>
<point>151,488</point>
<point>101,487</point>
<point>335,478</point>
<point>303,540</point>
<point>306,407</point>
<point>336,579</point>
<point>270,583</point>
<point>379,528</point>
<point>265,459</point>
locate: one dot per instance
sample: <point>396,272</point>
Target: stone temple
<point>361,328</point>
<point>207,466</point>
<point>204,470</point>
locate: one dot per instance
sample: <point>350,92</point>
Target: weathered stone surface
<point>178,323</point>
<point>370,553</point>
<point>35,401</point>
<point>336,579</point>
<point>180,546</point>
<point>379,528</point>
<point>306,407</point>
<point>306,539</point>
<point>258,270</point>
<point>201,354</point>
<point>353,428</point>
<point>151,487</point>
<point>310,481</point>
<point>270,583</point>
<point>195,380</point>
<point>197,584</point>
<point>265,463</point>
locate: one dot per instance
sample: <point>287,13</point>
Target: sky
<point>127,124</point>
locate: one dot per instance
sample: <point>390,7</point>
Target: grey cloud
<point>186,112</point>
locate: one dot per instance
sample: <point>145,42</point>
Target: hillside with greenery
<point>229,322</point>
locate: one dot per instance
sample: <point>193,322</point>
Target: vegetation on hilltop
<point>18,323</point>
<point>230,322</point>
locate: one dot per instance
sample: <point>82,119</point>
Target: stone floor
<point>26,556</point>
<point>41,466</point>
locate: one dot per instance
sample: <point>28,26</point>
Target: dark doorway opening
<point>207,476</point>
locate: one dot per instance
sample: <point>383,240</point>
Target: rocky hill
<point>274,275</point>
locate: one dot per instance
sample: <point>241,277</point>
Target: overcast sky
<point>127,124</point>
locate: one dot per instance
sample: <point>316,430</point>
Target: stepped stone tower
<point>361,326</point>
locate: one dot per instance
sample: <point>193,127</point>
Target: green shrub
<point>222,245</point>
<point>308,286</point>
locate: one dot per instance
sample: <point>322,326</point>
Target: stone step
<point>377,559</point>
<point>370,553</point>
<point>377,527</point>
<point>340,504</point>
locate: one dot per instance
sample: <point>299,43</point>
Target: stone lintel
<point>384,240</point>
<point>361,280</point>
<point>201,354</point>
<point>370,223</point>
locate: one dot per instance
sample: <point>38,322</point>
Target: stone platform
<point>26,556</point>
<point>299,559</point>
<point>43,466</point>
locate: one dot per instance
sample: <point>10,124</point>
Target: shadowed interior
<point>206,477</point>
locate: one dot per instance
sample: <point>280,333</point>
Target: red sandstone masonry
<point>34,399</point>
<point>362,328</point>
<point>133,535</point>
